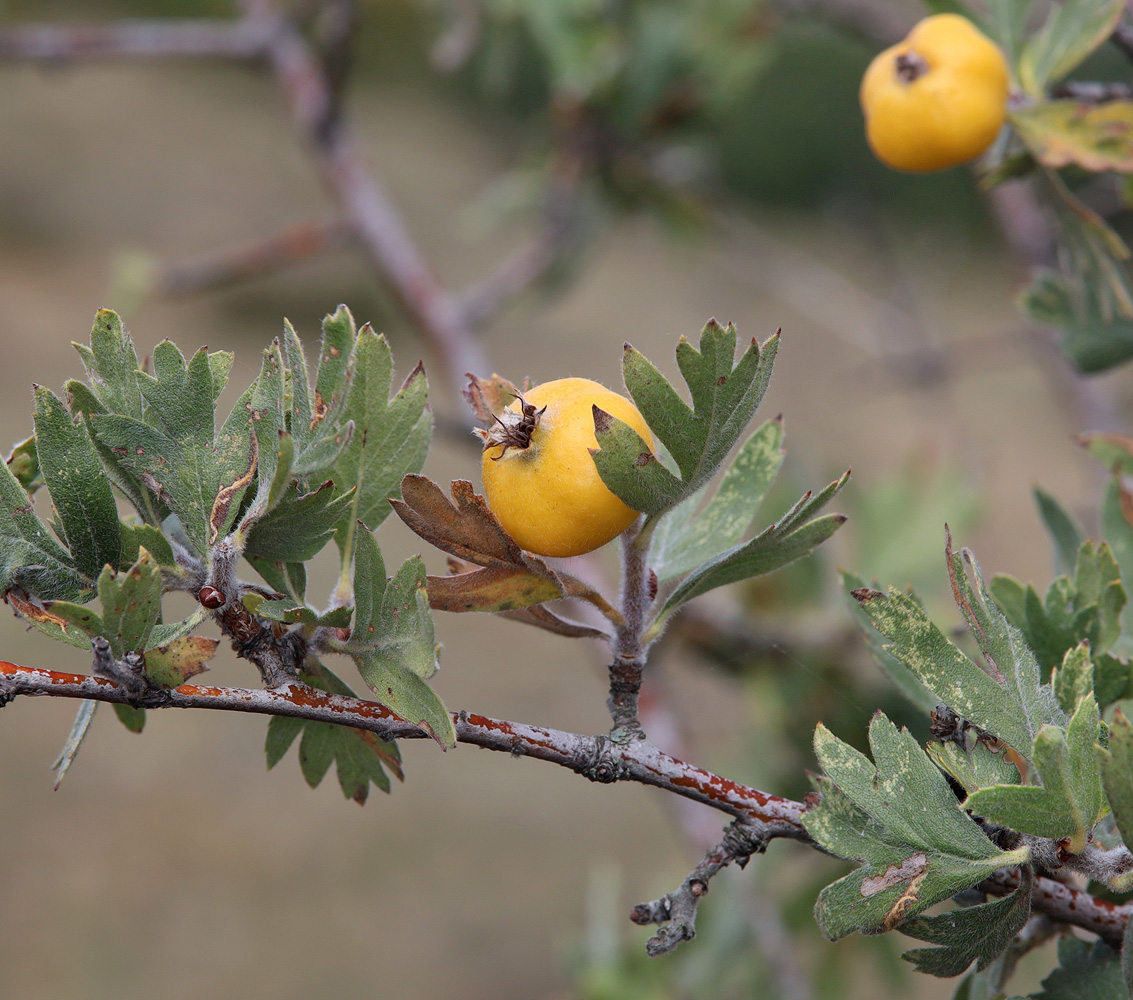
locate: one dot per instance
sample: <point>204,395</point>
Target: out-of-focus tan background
<point>173,864</point>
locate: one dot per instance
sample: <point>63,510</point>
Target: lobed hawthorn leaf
<point>1008,657</point>
<point>131,604</point>
<point>74,624</point>
<point>1008,700</point>
<point>1115,763</point>
<point>1086,608</point>
<point>686,538</point>
<point>1085,970</point>
<point>899,818</point>
<point>202,478</point>
<point>1095,336</point>
<point>298,527</point>
<point>30,557</point>
<point>390,437</point>
<point>1070,801</point>
<point>699,437</point>
<point>79,493</point>
<point>392,639</point>
<point>1065,532</point>
<point>1074,679</point>
<point>112,366</point>
<point>1072,31</point>
<point>904,679</point>
<point>775,546</point>
<point>977,934</point>
<point>359,755</point>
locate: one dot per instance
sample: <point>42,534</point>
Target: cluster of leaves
<point>296,463</point>
<point>1022,773</point>
<point>1089,296</point>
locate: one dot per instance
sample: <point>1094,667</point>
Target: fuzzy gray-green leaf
<point>299,526</point>
<point>390,437</point>
<point>971,934</point>
<point>80,491</point>
<point>899,818</point>
<point>684,538</point>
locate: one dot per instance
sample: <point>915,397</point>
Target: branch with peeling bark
<point>760,816</point>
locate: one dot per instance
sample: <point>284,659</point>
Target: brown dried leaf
<point>489,397</point>
<point>539,616</point>
<point>466,529</point>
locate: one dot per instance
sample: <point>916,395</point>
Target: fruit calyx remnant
<point>512,429</point>
<point>910,67</point>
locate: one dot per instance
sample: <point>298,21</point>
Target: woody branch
<point>596,757</point>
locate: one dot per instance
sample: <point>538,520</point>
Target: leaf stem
<point>628,648</point>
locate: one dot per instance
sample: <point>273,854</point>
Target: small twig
<point>1092,92</point>
<point>629,652</point>
<point>63,43</point>
<point>294,244</point>
<point>677,910</point>
<point>361,199</point>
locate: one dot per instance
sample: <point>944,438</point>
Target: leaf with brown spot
<point>174,663</point>
<point>1095,137</point>
<point>73,624</point>
<point>491,588</point>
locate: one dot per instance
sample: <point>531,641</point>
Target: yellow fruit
<point>936,99</point>
<point>548,494</point>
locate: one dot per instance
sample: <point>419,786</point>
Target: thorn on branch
<point>677,909</point>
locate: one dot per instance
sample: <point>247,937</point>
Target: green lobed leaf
<point>80,493</point>
<point>30,558</point>
<point>298,527</point>
<point>1065,532</point>
<point>178,395</point>
<point>699,437</point>
<point>1118,533</point>
<point>1116,766</point>
<point>685,538</point>
<point>131,604</point>
<point>1073,29</point>
<point>972,934</point>
<point>74,624</point>
<point>898,673</point>
<point>1070,801</point>
<point>902,822</point>
<point>135,537</point>
<point>1084,970</point>
<point>112,365</point>
<point>768,551</point>
<point>360,756</point>
<point>940,665</point>
<point>1005,650</point>
<point>629,468</point>
<point>1074,679</point>
<point>390,436</point>
<point>392,639</point>
<point>286,578</point>
<point>287,611</point>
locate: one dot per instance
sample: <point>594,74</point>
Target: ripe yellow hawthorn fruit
<point>936,99</point>
<point>539,477</point>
